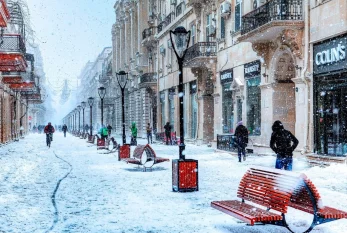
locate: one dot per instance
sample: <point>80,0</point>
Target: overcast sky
<point>70,32</point>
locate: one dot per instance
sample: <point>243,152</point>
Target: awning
<point>12,62</point>
<point>25,86</point>
<point>4,14</point>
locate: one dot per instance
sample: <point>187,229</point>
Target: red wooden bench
<point>147,159</point>
<point>107,144</point>
<point>276,190</point>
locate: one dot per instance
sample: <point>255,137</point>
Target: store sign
<point>226,76</point>
<point>252,69</point>
<point>330,55</point>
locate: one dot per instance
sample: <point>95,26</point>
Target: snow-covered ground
<point>72,187</point>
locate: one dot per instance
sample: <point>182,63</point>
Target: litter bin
<point>185,175</point>
<point>124,152</point>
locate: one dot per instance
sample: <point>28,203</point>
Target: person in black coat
<point>283,143</point>
<point>167,128</point>
<point>64,128</point>
<point>241,134</point>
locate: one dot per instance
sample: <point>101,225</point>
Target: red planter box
<point>124,152</point>
<point>185,175</point>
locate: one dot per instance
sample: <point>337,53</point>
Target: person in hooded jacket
<point>167,128</point>
<point>241,134</point>
<point>133,134</point>
<point>283,143</point>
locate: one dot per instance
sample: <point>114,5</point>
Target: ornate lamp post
<point>90,103</point>
<point>79,107</point>
<point>122,79</point>
<point>83,105</point>
<point>188,168</point>
<point>102,93</point>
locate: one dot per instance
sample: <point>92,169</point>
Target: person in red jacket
<point>49,130</point>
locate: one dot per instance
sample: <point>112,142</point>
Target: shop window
<point>253,105</point>
<point>194,109</point>
<point>172,107</point>
<point>228,109</point>
<point>239,110</point>
<point>162,106</point>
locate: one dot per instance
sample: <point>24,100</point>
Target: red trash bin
<point>185,175</point>
<point>124,152</point>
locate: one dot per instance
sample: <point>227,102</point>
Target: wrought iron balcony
<point>200,54</point>
<point>275,15</point>
<point>148,78</point>
<point>12,53</point>
<point>168,19</point>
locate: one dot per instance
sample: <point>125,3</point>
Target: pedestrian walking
<point>103,132</point>
<point>133,134</point>
<point>149,133</point>
<point>64,128</point>
<point>283,143</point>
<point>109,128</point>
<point>241,137</point>
<point>167,128</point>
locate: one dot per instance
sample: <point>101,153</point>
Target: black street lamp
<point>184,171</point>
<point>180,42</point>
<point>122,78</point>
<point>102,93</point>
<point>91,102</point>
<point>83,105</point>
<point>79,118</point>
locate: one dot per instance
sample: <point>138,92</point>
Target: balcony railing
<point>201,49</point>
<point>226,142</point>
<point>168,19</point>
<point>12,44</point>
<point>148,77</point>
<point>271,11</point>
<point>148,32</point>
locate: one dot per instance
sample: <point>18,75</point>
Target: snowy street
<point>72,187</point>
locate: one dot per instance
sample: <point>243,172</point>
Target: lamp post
<point>91,102</point>
<point>183,170</point>
<point>75,111</point>
<point>83,105</point>
<point>79,107</point>
<point>124,151</point>
<point>122,78</point>
<point>102,93</point>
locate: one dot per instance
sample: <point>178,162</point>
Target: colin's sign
<point>330,56</point>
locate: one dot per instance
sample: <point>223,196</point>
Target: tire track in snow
<point>56,214</point>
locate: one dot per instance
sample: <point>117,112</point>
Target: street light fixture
<point>83,105</point>
<point>79,107</point>
<point>102,93</point>
<point>183,169</point>
<point>122,78</point>
<point>90,103</point>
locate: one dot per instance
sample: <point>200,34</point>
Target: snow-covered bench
<point>276,190</point>
<point>145,156</point>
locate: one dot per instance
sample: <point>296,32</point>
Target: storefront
<point>253,97</point>
<point>330,96</point>
<point>226,79</point>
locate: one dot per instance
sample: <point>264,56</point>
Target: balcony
<point>148,38</point>
<point>180,8</point>
<point>269,20</point>
<point>17,77</point>
<point>168,19</point>
<point>201,54</point>
<point>12,53</point>
<point>4,14</point>
<point>148,79</point>
<point>24,86</point>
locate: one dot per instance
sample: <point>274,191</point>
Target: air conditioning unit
<point>225,9</point>
<point>162,51</point>
<point>173,2</point>
<point>211,30</point>
<point>258,3</point>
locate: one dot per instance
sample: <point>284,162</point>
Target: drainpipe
<point>306,65</point>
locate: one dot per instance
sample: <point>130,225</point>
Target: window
<point>194,109</point>
<point>172,107</point>
<point>208,26</point>
<point>228,109</point>
<point>193,33</point>
<point>222,28</point>
<point>239,110</point>
<point>162,105</point>
<point>238,15</point>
